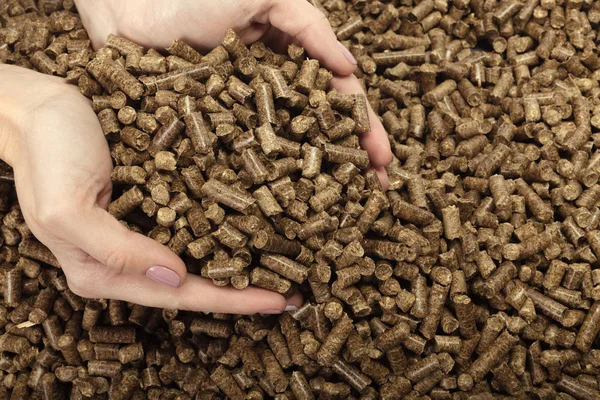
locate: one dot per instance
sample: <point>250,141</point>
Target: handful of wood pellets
<point>475,276</point>
<point>248,169</point>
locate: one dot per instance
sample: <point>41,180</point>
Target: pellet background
<point>473,277</point>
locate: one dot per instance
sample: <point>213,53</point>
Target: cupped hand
<point>62,172</point>
<point>203,24</point>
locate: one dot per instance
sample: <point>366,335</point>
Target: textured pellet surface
<point>475,275</point>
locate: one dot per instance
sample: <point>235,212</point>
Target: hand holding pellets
<point>250,160</point>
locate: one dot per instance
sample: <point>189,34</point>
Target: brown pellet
<point>227,195</point>
<point>114,74</point>
<point>68,348</point>
<point>109,369</point>
<point>128,202</point>
<point>393,336</point>
<point>464,313</point>
<point>13,287</point>
<point>335,340</point>
<point>499,348</point>
<point>437,298</point>
<point>284,267</point>
<point>217,329</point>
<point>112,334</point>
<point>269,280</point>
<point>452,224</point>
<point>589,329</point>
<point>340,154</point>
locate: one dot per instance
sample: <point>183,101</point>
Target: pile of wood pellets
<point>474,276</point>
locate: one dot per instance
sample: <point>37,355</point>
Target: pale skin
<point>51,137</point>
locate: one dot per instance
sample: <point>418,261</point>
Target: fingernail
<point>164,275</point>
<point>287,308</point>
<point>347,54</point>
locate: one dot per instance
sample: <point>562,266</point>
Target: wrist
<point>22,92</point>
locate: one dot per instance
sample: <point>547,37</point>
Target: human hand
<point>62,167</point>
<point>203,24</point>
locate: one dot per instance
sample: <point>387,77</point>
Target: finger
<point>199,294</point>
<point>276,40</point>
<point>105,239</point>
<point>375,142</point>
<point>311,30</point>
<point>383,177</point>
<point>295,301</point>
<point>91,279</point>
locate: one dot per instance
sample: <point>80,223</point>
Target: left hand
<point>203,24</point>
<point>51,137</point>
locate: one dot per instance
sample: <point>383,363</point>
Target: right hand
<point>51,137</point>
<point>203,24</point>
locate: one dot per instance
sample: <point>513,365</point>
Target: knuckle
<point>318,22</point>
<point>55,210</point>
<point>50,215</point>
<point>179,302</point>
<point>118,257</point>
<point>81,286</point>
<point>116,260</point>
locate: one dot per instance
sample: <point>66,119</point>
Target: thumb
<point>199,294</point>
<point>310,29</point>
<point>125,252</point>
